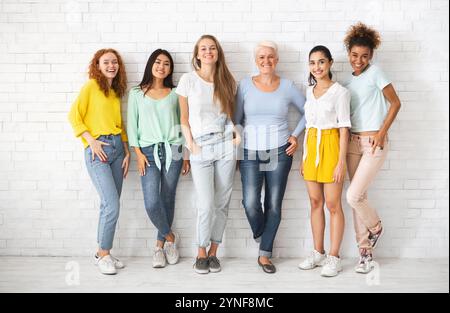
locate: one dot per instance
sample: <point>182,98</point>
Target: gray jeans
<point>213,173</point>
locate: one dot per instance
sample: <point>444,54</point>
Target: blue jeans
<point>159,187</point>
<point>107,178</point>
<point>272,168</point>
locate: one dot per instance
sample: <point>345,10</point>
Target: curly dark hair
<point>119,83</point>
<point>362,35</point>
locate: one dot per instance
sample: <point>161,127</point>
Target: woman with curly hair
<point>95,116</point>
<point>371,119</point>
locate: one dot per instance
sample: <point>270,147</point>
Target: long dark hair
<point>147,79</point>
<point>312,80</point>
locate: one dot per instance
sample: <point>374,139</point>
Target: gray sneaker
<point>171,250</point>
<point>214,264</point>
<point>201,266</point>
<point>159,258</point>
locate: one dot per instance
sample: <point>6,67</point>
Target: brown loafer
<point>268,268</point>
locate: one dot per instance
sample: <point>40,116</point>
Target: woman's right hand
<point>97,150</point>
<point>142,163</point>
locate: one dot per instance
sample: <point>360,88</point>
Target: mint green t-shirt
<point>368,107</point>
<point>152,121</point>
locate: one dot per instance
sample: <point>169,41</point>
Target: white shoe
<point>159,258</point>
<point>106,265</point>
<point>365,264</point>
<point>171,250</point>
<point>315,259</point>
<point>332,266</point>
<point>117,263</point>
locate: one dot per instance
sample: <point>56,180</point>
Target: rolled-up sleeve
<point>343,109</point>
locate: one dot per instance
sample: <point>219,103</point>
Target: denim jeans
<point>270,167</point>
<point>213,172</point>
<point>159,187</point>
<point>107,178</point>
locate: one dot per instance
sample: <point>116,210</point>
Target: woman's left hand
<point>126,164</point>
<point>378,141</point>
<point>237,139</point>
<point>293,144</point>
<point>186,167</point>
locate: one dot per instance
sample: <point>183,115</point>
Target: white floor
<point>63,274</point>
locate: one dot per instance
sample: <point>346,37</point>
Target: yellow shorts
<point>328,156</point>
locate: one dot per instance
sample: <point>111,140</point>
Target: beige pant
<point>362,168</point>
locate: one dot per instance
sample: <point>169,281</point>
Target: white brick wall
<point>48,205</point>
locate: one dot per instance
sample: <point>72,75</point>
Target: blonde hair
<point>266,44</point>
<point>224,82</point>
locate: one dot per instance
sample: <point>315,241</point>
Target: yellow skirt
<point>328,155</point>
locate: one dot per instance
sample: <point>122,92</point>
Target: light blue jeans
<point>107,178</point>
<point>213,172</point>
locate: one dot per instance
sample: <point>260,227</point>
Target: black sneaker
<point>201,266</point>
<point>214,264</point>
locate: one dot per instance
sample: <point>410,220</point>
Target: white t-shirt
<point>368,106</point>
<point>331,110</point>
<point>205,115</point>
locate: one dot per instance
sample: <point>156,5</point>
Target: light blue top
<point>368,107</point>
<point>152,121</point>
<point>264,115</point>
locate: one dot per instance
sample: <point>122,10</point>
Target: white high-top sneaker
<point>365,264</point>
<point>171,250</point>
<point>315,259</point>
<point>159,258</point>
<point>106,265</point>
<point>332,266</point>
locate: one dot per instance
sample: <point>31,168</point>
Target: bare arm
<point>185,126</point>
<point>391,96</point>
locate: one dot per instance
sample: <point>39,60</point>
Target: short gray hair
<point>266,44</point>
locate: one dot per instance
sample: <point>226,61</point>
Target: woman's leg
<point>275,186</point>
<point>316,199</point>
<point>333,194</point>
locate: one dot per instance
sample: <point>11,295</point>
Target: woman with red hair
<point>95,116</point>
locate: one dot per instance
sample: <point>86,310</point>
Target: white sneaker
<point>315,259</point>
<point>106,265</point>
<point>171,250</point>
<point>159,259</point>
<point>117,263</point>
<point>332,266</point>
<point>365,264</point>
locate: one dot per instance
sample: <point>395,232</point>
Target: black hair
<point>147,79</point>
<point>362,35</point>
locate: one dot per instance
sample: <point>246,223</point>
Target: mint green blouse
<point>152,121</point>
